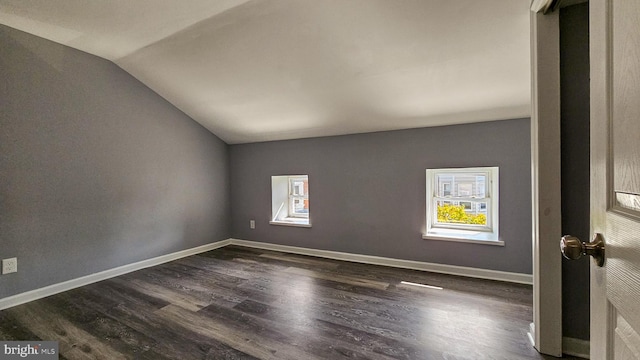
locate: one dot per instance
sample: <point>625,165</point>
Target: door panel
<point>626,340</point>
<point>615,177</point>
<point>626,94</point>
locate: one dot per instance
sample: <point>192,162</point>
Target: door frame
<point>600,58</point>
<point>546,329</point>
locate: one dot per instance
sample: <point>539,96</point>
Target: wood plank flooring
<point>241,303</point>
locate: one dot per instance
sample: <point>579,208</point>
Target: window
<point>446,189</point>
<point>290,200</point>
<point>462,205</point>
<point>299,197</point>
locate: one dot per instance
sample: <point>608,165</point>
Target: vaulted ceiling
<point>259,70</point>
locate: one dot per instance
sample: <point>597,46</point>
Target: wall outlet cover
<point>9,265</point>
<point>252,224</point>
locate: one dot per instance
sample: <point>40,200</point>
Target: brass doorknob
<point>572,248</point>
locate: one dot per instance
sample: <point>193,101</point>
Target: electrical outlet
<point>252,224</point>
<point>9,266</point>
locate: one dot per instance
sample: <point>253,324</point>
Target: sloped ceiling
<point>280,69</point>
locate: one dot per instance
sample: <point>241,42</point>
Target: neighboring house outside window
<point>290,200</point>
<point>462,204</point>
<point>299,196</point>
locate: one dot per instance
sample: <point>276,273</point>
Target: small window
<point>467,207</point>
<point>462,204</point>
<point>290,200</point>
<point>446,189</point>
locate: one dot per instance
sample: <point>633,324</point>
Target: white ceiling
<point>264,70</point>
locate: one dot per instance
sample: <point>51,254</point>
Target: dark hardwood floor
<point>241,303</point>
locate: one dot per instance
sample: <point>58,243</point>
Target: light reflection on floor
<point>297,293</point>
<point>421,285</point>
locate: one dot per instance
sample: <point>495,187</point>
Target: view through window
<point>462,202</point>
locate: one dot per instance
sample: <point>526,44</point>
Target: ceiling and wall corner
<point>261,70</point>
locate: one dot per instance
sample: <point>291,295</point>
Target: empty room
<point>283,179</point>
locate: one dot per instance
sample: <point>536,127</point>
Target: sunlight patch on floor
<point>421,285</point>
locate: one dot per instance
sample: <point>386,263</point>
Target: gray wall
<point>96,170</point>
<point>574,71</point>
<point>367,191</point>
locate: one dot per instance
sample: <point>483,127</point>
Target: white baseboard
<point>399,263</point>
<point>103,275</point>
<point>40,293</point>
<point>575,347</point>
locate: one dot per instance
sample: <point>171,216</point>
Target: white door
<point>615,177</point>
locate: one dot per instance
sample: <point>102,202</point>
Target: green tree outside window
<point>455,214</point>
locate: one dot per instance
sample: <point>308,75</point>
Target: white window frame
<point>487,234</point>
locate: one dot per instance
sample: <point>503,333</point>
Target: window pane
<point>300,206</point>
<point>462,212</point>
<point>299,196</point>
<point>461,185</point>
<point>299,187</point>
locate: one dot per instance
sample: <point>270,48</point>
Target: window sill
<point>291,222</point>
<point>475,237</point>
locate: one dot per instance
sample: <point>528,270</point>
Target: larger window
<point>462,204</point>
<point>290,200</point>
